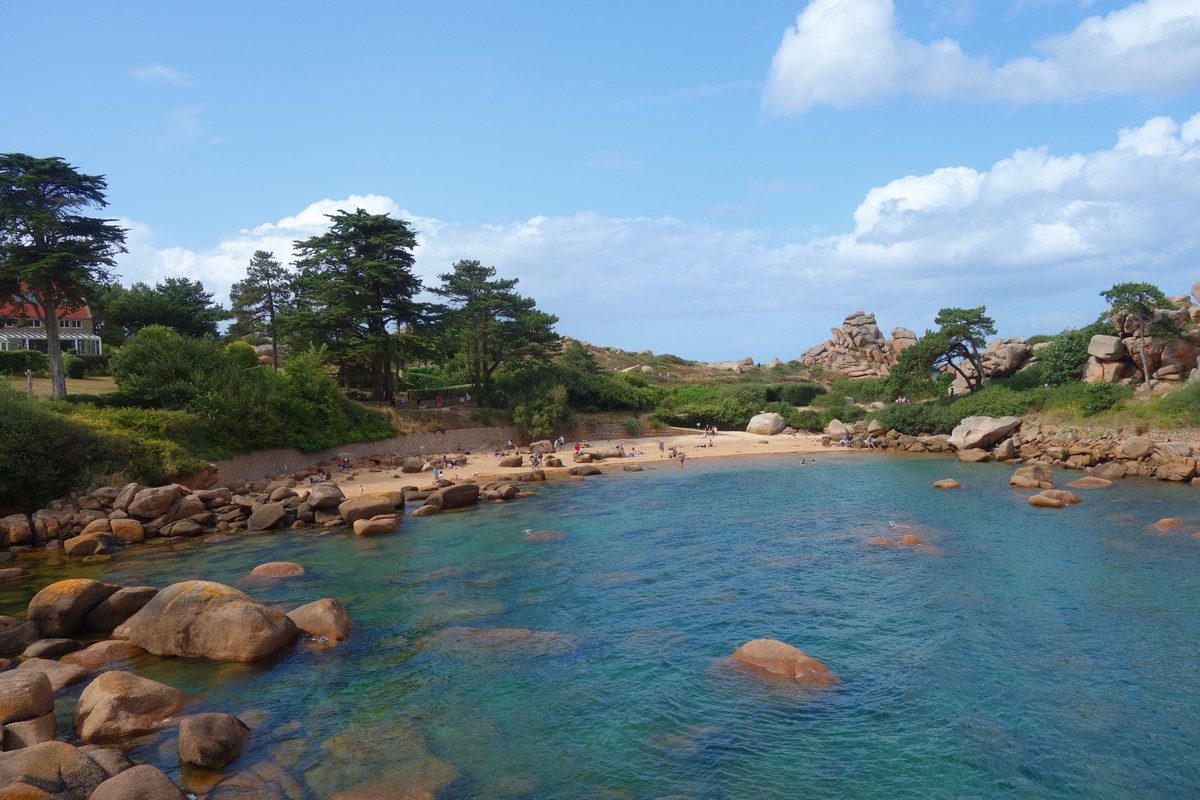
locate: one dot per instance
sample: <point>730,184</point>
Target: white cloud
<point>159,74</point>
<point>183,126</point>
<point>843,53</point>
<point>1035,237</point>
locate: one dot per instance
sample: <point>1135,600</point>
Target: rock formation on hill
<point>859,349</point>
<point>1118,357</point>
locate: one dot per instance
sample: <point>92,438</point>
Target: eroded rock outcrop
<point>858,349</point>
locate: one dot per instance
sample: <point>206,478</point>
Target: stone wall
<point>280,460</point>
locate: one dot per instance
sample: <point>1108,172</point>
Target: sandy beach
<point>484,467</point>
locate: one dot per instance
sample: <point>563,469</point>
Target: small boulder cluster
<point>191,619</point>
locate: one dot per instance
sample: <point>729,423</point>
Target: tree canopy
<point>48,245</point>
<point>1143,304</point>
<point>258,300</point>
<point>355,291</point>
<point>181,304</point>
<point>491,324</point>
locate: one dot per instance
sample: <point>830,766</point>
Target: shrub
<point>727,414</point>
<point>1065,357</point>
<point>1100,397</point>
<point>15,362</point>
<point>159,368</point>
<point>540,415</point>
<point>74,366</point>
<point>800,394</point>
<point>861,391</point>
<point>916,419</point>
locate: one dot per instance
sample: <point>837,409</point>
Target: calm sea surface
<point>1033,654</point>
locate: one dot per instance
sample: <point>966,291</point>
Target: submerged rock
<point>1090,482</point>
<point>947,483</point>
<point>277,569</point>
<point>1167,524</point>
<point>518,641</point>
<point>779,659</point>
<point>203,619</point>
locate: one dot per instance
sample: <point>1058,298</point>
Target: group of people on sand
<point>870,442</point>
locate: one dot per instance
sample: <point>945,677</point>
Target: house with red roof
<point>23,327</point>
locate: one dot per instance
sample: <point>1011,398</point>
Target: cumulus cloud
<point>159,74</point>
<point>843,53</point>
<point>1036,236</point>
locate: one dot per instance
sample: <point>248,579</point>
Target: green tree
<point>961,334</point>
<point>265,293</point>
<point>48,246</point>
<point>355,291</point>
<point>1140,303</point>
<point>492,325</point>
<point>180,304</point>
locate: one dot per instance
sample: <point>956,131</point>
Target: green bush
<point>800,394</point>
<point>1063,360</point>
<point>74,366</point>
<point>916,419</point>
<point>540,415</point>
<point>158,368</point>
<point>727,414</point>
<point>1100,397</point>
<point>862,391</point>
<point>15,362</point>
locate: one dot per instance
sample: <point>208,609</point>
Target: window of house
<point>33,323</point>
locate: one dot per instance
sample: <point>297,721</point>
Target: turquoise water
<point>1031,653</point>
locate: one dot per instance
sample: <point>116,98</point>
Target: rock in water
<point>323,619</point>
<point>947,483</point>
<point>376,526</point>
<point>767,424</point>
<point>211,740</point>
<point>203,619</point>
<point>277,569</point>
<point>117,705</point>
<point>779,659</point>
<point>142,782</point>
<point>58,609</point>
<point>118,607</point>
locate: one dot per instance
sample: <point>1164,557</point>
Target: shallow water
<point>1030,653</point>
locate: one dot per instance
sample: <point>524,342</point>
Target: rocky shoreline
<point>1109,455</point>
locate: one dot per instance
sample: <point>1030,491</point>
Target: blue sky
<point>706,179</point>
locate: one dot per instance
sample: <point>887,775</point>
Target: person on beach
<point>870,442</point>
<point>845,442</point>
<point>577,448</point>
<point>662,447</point>
<point>682,457</point>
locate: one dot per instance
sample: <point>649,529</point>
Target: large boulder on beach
<point>325,620</point>
<point>142,782</point>
<point>117,705</point>
<point>767,424</point>
<point>211,740</point>
<point>325,495</point>
<point>511,461</point>
<point>266,516</point>
<point>58,608</point>
<point>983,432</point>
<point>779,659</point>
<point>153,502</point>
<point>24,695</point>
<point>203,619</point>
<point>837,429</point>
<point>118,607</point>
<point>365,506</point>
<point>52,771</point>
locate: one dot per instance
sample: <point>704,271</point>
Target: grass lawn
<point>41,386</point>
